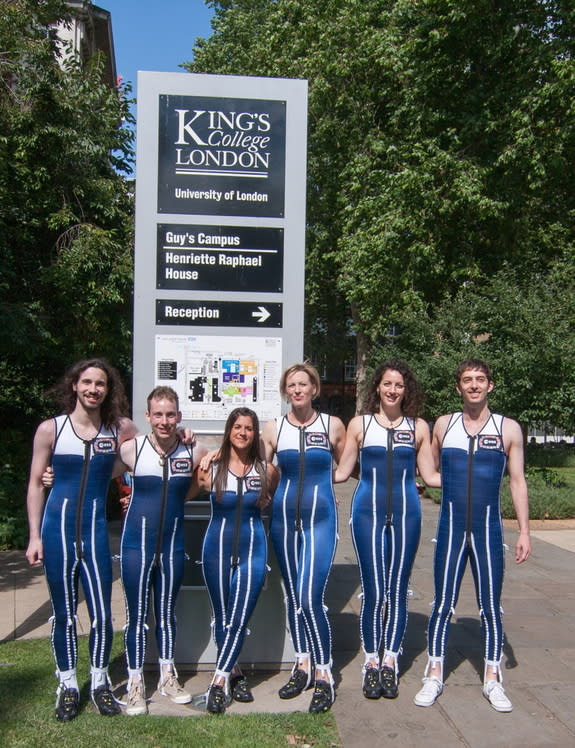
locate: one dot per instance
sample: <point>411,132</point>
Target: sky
<point>155,35</point>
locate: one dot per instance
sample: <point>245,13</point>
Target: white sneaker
<point>136,702</point>
<point>432,688</point>
<point>495,695</point>
<point>171,688</point>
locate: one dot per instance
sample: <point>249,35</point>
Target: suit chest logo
<point>253,483</point>
<point>180,465</point>
<point>315,439</point>
<point>105,445</point>
<point>490,441</point>
<point>405,438</point>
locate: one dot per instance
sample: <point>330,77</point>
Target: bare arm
<point>336,437</point>
<point>513,440</point>
<point>127,430</point>
<point>202,481</point>
<point>273,478</point>
<point>425,460</point>
<point>41,458</point>
<point>269,440</point>
<point>350,453</point>
<point>437,438</point>
<point>200,451</point>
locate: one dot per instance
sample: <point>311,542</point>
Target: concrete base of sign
<point>268,645</point>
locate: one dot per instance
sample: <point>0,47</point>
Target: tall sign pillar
<point>220,241</point>
<point>219,284</point>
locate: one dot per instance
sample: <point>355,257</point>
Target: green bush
<point>14,463</point>
<point>544,455</point>
<point>551,495</point>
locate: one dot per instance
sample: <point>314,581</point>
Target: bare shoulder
<point>269,432</point>
<point>440,426</point>
<point>45,433</point>
<point>355,427</point>
<point>422,429</point>
<point>512,433</point>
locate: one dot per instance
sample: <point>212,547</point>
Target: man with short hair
<point>68,531</point>
<point>472,449</point>
<point>152,548</point>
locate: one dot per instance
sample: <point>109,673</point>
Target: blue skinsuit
<point>234,558</point>
<point>75,538</point>
<point>304,531</point>
<point>386,526</point>
<point>152,549</point>
<point>470,528</point>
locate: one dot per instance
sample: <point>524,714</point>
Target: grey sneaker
<point>171,688</point>
<point>496,696</point>
<point>426,696</point>
<point>136,702</point>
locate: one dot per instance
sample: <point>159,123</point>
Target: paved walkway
<point>538,662</point>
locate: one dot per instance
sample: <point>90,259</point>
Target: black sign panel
<point>218,313</point>
<point>221,156</point>
<point>220,258</point>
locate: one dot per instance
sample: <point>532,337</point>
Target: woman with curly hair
<point>391,442</point>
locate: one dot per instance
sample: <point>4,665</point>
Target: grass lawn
<point>27,696</point>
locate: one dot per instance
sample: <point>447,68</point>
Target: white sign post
<point>220,241</point>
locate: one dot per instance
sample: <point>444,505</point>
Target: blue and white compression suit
<point>75,539</point>
<point>152,550</point>
<point>386,526</point>
<point>470,527</point>
<point>234,558</point>
<point>304,531</point>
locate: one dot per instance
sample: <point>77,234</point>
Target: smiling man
<point>68,531</point>
<point>472,448</point>
<point>152,549</point>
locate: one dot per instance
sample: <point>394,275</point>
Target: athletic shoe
<point>389,682</point>
<point>105,702</point>
<point>217,700</point>
<point>136,703</point>
<point>371,684</point>
<point>67,702</point>
<point>171,688</point>
<point>240,689</point>
<point>432,688</point>
<point>298,682</point>
<point>496,696</point>
<point>323,697</point>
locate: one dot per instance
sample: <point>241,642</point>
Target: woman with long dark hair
<point>391,442</point>
<point>234,554</point>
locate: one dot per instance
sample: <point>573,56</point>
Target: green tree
<point>441,138</point>
<point>65,218</point>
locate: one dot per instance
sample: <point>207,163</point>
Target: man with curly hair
<point>68,530</point>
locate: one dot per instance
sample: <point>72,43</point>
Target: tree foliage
<point>442,134</point>
<point>65,209</point>
<point>65,221</point>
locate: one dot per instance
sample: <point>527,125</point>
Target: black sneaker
<point>323,697</point>
<point>372,688</point>
<point>67,704</point>
<point>105,702</point>
<point>217,700</point>
<point>298,682</point>
<point>389,685</point>
<point>240,689</point>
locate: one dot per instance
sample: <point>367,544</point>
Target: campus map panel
<point>213,375</point>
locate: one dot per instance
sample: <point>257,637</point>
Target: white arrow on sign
<point>262,313</point>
